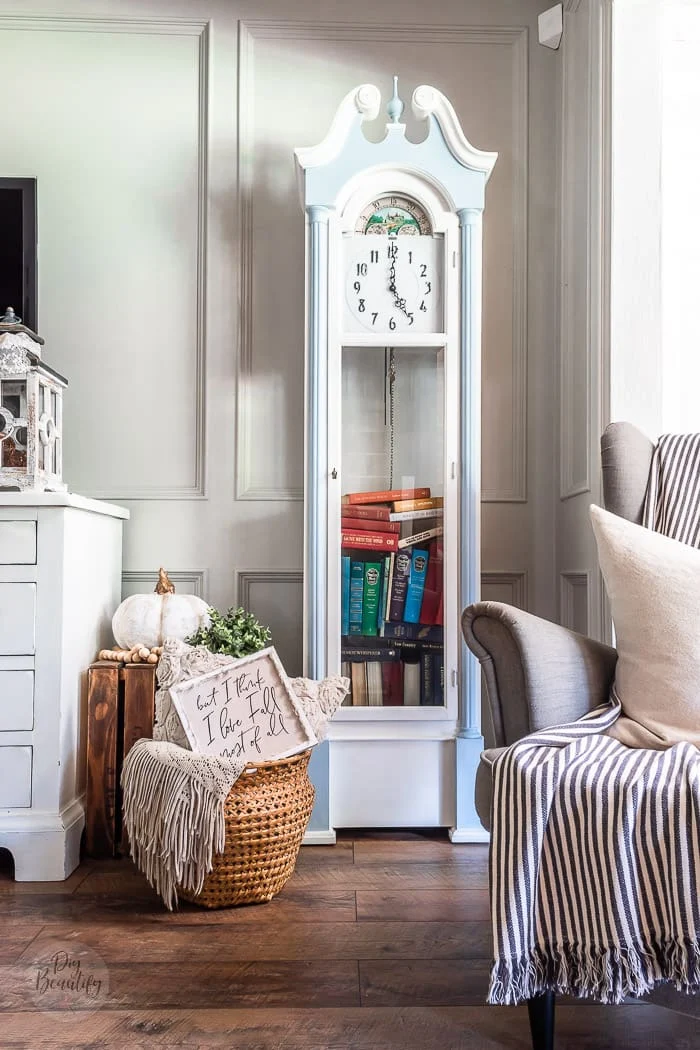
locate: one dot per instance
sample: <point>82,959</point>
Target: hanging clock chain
<point>390,377</point>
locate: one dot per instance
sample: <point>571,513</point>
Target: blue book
<point>416,585</point>
<point>345,594</point>
<point>357,587</point>
<point>382,595</point>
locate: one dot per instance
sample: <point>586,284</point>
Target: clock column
<point>316,507</point>
<point>469,742</point>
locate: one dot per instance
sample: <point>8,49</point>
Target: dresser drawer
<point>17,543</point>
<point>15,777</point>
<point>16,700</point>
<point>17,615</point>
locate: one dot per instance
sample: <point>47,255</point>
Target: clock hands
<point>399,303</point>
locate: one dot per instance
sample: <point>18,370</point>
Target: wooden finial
<point>164,586</point>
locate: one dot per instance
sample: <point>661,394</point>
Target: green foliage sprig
<point>236,633</point>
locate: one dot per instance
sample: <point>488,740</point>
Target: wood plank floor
<point>379,943</point>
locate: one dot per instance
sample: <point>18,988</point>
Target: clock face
<point>394,215</point>
<point>393,283</point>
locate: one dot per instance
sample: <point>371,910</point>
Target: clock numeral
<point>374,318</point>
<point>392,323</point>
<point>410,257</point>
<point>410,318</point>
<point>423,269</point>
<point>361,306</point>
<point>374,256</point>
<point>357,286</point>
<point>429,286</point>
<point>423,308</point>
<point>391,251</point>
<point>362,269</point>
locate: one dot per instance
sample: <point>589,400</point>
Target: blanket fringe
<point>174,821</point>
<point>607,975</point>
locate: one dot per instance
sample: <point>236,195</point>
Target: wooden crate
<point>121,707</point>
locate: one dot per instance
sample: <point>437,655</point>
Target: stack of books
<point>392,611</point>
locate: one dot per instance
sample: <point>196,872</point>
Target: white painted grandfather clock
<point>393,301</point>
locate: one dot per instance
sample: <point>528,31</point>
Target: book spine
<point>385,496</point>
<point>357,577</point>
<point>438,679</point>
<point>433,584</point>
<point>416,503</point>
<point>408,645</point>
<point>358,678</point>
<point>345,594</point>
<point>369,541</point>
<point>411,632</point>
<point>392,683</point>
<point>370,596</point>
<point>365,654</point>
<point>418,537</point>
<point>439,615</point>
<point>368,512</point>
<point>381,610</point>
<point>415,515</point>
<point>399,586</point>
<point>411,681</point>
<point>352,524</point>
<point>416,583</point>
<point>427,659</point>
<point>389,584</point>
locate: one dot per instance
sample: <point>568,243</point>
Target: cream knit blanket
<point>174,813</point>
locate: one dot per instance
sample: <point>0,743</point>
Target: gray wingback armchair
<point>537,673</point>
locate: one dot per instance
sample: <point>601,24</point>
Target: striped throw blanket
<point>595,847</point>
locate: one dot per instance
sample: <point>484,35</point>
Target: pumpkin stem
<point>164,586</point>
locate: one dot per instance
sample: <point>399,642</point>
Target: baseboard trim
<point>319,838</point>
<point>458,835</point>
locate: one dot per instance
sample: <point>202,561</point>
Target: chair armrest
<point>538,674</point>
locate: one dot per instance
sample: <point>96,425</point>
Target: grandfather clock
<point>392,495</point>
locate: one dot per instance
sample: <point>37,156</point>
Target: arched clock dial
<point>395,215</point>
<point>393,282</point>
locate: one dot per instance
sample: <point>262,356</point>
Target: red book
<point>392,683</point>
<point>375,513</point>
<point>439,614</point>
<point>352,524</point>
<point>386,496</point>
<point>432,592</point>
<point>369,541</point>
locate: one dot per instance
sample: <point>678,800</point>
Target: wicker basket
<point>266,814</point>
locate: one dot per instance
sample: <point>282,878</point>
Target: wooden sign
<point>246,709</point>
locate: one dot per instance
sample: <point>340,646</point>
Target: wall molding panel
<point>247,578</point>
<point>187,581</point>
<point>514,583</point>
<point>248,487</point>
<point>201,31</point>
<point>574,603</point>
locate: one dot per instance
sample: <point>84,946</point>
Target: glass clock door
<point>391,543</point>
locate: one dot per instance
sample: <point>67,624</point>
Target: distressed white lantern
<point>31,412</point>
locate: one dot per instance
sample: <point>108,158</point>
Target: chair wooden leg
<point>541,1011</point>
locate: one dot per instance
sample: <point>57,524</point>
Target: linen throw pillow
<point>653,584</point>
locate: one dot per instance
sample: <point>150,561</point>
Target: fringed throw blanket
<point>595,849</point>
<point>595,865</point>
<point>672,504</point>
<point>174,813</point>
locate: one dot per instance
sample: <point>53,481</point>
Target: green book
<point>370,596</point>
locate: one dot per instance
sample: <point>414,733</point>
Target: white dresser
<point>60,583</point>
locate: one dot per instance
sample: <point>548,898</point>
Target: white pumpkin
<point>148,619</point>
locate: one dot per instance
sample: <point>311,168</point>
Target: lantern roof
<point>10,322</point>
